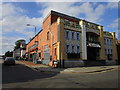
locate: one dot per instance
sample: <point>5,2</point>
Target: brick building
<point>71,42</point>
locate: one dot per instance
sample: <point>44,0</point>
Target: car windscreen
<point>9,59</point>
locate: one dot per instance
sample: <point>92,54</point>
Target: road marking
<point>102,71</point>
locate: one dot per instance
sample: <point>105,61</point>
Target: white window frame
<point>78,36</point>
<point>72,35</point>
<point>68,49</point>
<point>67,35</point>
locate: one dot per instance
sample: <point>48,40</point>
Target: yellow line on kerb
<point>101,71</point>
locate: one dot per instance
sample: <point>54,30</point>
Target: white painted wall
<point>76,42</point>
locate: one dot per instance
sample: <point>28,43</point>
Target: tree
<point>9,54</point>
<point>17,43</point>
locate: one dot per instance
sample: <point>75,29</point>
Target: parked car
<point>9,61</point>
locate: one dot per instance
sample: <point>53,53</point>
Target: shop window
<point>40,55</point>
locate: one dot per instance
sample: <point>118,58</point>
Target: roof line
<point>34,36</point>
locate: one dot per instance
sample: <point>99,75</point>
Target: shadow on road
<point>20,73</point>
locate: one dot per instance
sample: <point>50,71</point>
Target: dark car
<point>9,61</point>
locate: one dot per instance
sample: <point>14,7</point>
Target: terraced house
<point>70,41</point>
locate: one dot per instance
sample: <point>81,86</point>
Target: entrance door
<point>91,53</point>
<point>46,56</point>
<point>34,58</point>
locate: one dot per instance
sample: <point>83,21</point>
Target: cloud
<point>14,21</point>
<point>13,18</point>
<point>114,24</point>
<point>112,5</point>
<point>92,11</point>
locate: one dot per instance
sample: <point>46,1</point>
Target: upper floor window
<point>48,35</point>
<point>67,48</point>
<point>110,41</point>
<point>104,41</point>
<point>72,35</point>
<point>78,36</point>
<point>73,49</point>
<point>105,51</point>
<point>108,51</point>
<point>107,41</point>
<point>111,51</point>
<point>67,34</point>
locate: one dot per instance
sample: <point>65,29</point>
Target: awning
<point>93,45</point>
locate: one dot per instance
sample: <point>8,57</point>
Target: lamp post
<point>34,58</point>
<point>33,26</point>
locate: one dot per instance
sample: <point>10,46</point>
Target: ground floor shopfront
<point>73,59</point>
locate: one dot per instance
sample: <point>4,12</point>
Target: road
<point>19,76</point>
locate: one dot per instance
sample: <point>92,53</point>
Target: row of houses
<point>70,41</point>
<point>20,52</point>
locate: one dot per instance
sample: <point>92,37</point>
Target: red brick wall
<point>50,24</point>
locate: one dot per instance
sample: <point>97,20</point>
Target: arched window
<point>48,35</point>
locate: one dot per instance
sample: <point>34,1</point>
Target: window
<point>90,38</point>
<point>55,51</point>
<point>67,48</point>
<point>30,55</point>
<point>78,49</point>
<point>72,35</point>
<point>104,41</point>
<point>111,51</point>
<point>40,55</point>
<point>48,35</point>
<point>107,41</point>
<point>110,42</point>
<point>67,34</point>
<point>108,51</point>
<point>105,51</point>
<point>78,36</point>
<point>72,49</point>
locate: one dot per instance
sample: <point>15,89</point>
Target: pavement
<point>45,68</point>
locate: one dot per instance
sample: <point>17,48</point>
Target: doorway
<point>91,53</point>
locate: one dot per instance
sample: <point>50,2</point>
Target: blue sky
<point>15,16</point>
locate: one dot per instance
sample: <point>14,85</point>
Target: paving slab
<point>45,68</point>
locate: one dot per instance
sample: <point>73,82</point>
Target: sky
<point>16,15</point>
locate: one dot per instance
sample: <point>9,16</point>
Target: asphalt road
<point>19,76</point>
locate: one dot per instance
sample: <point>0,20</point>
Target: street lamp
<point>35,41</point>
<point>33,26</point>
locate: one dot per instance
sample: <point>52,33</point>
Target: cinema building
<point>70,41</point>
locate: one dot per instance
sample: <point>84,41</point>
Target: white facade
<point>72,41</point>
<point>108,46</point>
